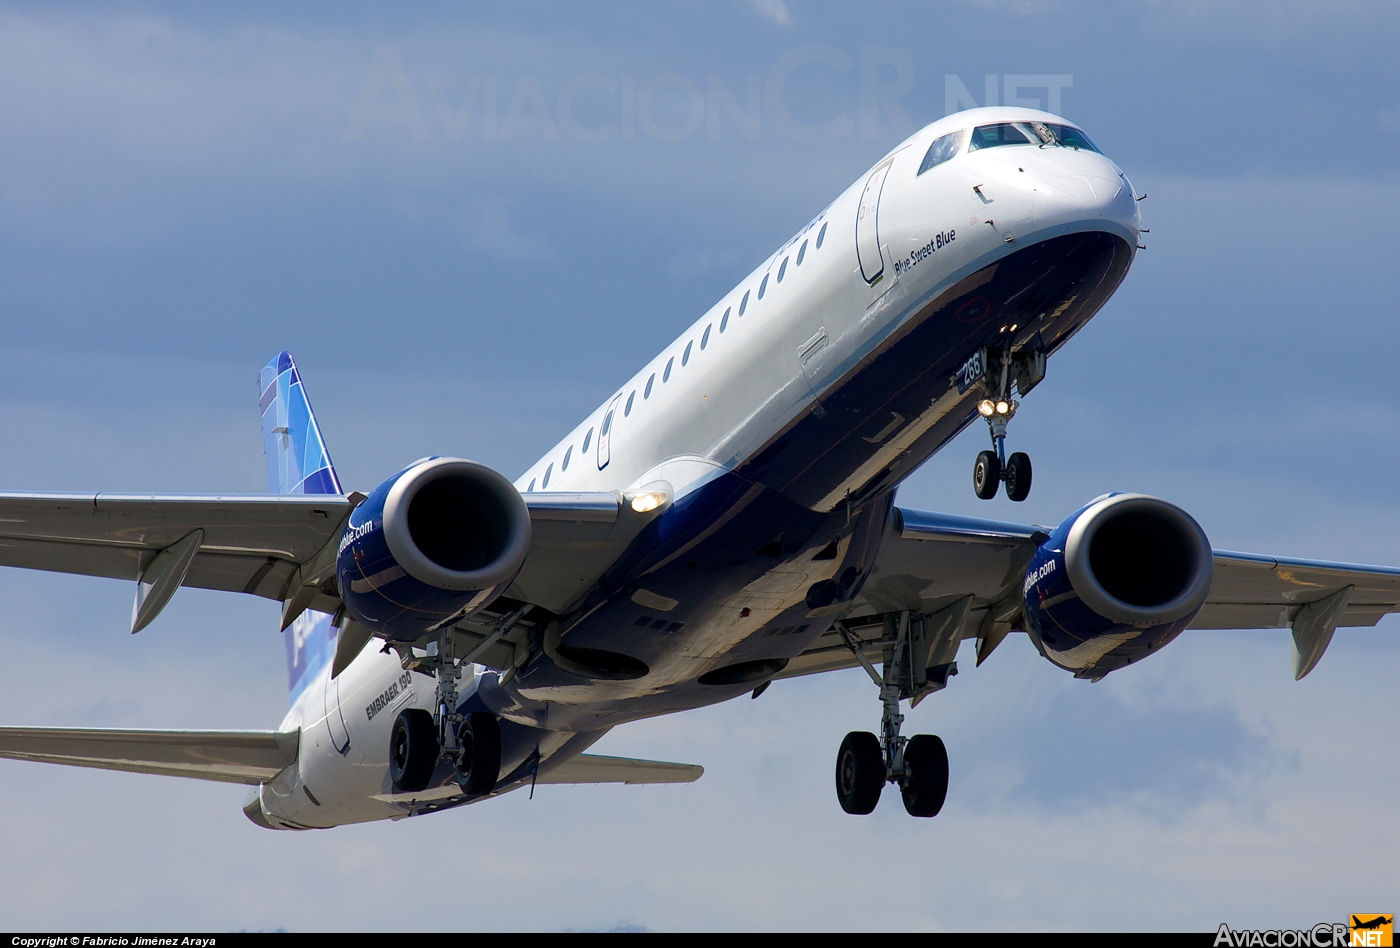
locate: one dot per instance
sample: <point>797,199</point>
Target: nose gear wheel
<point>998,408</point>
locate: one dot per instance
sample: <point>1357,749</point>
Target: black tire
<point>413,750</point>
<point>1018,476</point>
<point>986,475</point>
<point>860,773</point>
<point>925,785</point>
<point>480,737</point>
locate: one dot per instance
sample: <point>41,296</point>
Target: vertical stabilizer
<point>297,463</point>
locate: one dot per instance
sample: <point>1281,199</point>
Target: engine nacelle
<point>437,541</point>
<point>1115,582</point>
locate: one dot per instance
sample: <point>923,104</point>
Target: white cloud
<point>775,10</point>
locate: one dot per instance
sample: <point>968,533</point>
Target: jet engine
<point>1115,582</point>
<point>431,545</point>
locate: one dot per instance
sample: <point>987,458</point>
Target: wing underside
<point>968,574</point>
<point>280,547</point>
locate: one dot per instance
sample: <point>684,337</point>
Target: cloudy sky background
<point>179,200</point>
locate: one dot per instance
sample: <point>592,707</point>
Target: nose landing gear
<point>994,467</point>
<point>919,764</point>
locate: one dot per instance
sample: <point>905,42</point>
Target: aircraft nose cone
<point>1076,197</point>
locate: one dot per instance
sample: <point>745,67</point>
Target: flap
<point>230,756</point>
<point>1265,592</point>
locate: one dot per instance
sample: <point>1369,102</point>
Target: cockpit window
<point>1029,133</point>
<point>941,150</point>
<point>1003,133</point>
<point>1071,137</point>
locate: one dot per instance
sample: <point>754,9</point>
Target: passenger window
<point>650,381</point>
<point>941,150</point>
<point>763,287</point>
<point>607,423</point>
<point>723,323</point>
<point>567,454</point>
<point>801,252</point>
<point>547,471</point>
<point>627,409</point>
<point>821,236</point>
<point>994,136</point>
<point>782,270</point>
<point>685,356</point>
<point>532,485</point>
<point>744,303</point>
<point>586,439</point>
<point>705,339</point>
<point>666,376</point>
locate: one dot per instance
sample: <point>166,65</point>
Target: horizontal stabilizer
<point>231,756</point>
<point>590,768</point>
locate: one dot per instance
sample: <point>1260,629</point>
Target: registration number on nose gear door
<point>973,369</point>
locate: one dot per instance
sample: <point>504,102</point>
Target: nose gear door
<point>868,249</point>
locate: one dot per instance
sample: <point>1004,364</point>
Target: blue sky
<point>179,199</point>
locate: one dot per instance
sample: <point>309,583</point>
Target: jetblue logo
<point>354,533</point>
<point>1036,575</point>
<point>310,640</point>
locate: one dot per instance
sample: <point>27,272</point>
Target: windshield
<point>1003,133</point>
<point>941,150</point>
<point>1029,133</point>
<point>1071,137</point>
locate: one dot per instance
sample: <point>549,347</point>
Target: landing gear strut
<point>865,763</point>
<point>470,742</point>
<point>994,467</point>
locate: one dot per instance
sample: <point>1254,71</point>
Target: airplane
<point>724,519</point>
<point>1376,921</point>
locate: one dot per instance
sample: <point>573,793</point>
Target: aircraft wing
<point>279,547</point>
<point>591,768</point>
<point>966,575</point>
<point>230,756</point>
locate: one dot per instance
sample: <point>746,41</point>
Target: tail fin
<point>297,463</point>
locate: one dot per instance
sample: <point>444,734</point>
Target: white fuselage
<point>727,383</point>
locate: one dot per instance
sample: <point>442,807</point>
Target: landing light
<point>643,503</point>
<point>1003,407</point>
<point>986,407</point>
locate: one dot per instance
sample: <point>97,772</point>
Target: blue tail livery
<point>297,463</point>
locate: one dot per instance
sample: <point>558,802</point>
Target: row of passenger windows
<point>1006,133</point>
<point>671,362</point>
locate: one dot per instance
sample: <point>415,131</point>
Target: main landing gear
<point>470,742</point>
<point>919,764</point>
<point>993,467</point>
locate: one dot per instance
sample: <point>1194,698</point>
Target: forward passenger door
<point>868,250</point>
